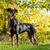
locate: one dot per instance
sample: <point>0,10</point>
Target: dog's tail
<point>35,25</point>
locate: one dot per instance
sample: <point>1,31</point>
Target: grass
<point>24,47</point>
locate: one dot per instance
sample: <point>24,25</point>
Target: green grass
<point>24,47</point>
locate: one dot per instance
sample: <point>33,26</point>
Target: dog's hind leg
<point>33,34</point>
<point>30,37</point>
<point>34,39</point>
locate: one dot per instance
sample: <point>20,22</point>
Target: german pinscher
<point>18,28</point>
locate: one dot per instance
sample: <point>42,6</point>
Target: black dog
<point>18,28</point>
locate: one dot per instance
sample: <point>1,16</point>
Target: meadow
<point>36,12</point>
<point>25,47</point>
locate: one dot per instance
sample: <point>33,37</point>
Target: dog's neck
<point>12,17</point>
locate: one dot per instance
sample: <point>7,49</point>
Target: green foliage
<point>33,12</point>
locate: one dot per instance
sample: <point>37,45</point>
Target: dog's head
<point>13,11</point>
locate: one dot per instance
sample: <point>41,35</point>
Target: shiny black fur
<point>18,28</point>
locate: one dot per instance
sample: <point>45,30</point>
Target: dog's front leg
<point>17,38</point>
<point>12,40</point>
<point>17,33</point>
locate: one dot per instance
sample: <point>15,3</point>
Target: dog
<point>18,28</point>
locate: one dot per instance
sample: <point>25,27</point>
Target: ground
<point>24,46</point>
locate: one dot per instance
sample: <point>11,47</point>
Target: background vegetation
<point>36,12</point>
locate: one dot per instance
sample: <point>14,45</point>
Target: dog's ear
<point>16,10</point>
<point>12,10</point>
<point>9,9</point>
